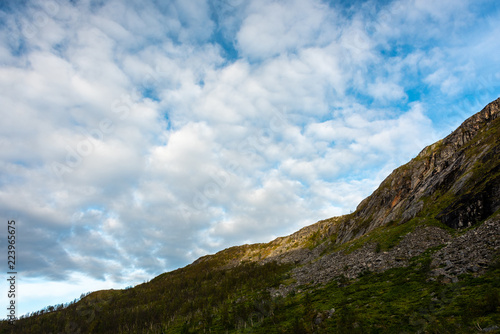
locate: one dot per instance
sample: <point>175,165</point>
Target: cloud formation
<point>137,136</point>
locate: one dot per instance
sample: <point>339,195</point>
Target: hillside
<point>421,254</point>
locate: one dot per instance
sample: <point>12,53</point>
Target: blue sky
<point>137,136</point>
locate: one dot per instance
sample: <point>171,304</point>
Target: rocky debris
<point>490,329</point>
<point>363,260</point>
<point>469,253</point>
<point>321,316</point>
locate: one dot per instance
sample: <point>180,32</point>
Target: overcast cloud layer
<point>137,136</point>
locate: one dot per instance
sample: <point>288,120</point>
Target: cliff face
<point>462,170</point>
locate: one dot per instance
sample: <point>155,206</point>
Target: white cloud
<point>386,91</point>
<point>272,28</point>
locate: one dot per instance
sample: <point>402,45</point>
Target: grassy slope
<point>398,300</point>
<point>204,298</point>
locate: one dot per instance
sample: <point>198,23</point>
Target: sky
<point>137,136</point>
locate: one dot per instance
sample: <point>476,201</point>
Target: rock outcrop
<point>466,159</point>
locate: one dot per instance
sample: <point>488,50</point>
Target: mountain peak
<point>468,128</point>
<point>473,124</point>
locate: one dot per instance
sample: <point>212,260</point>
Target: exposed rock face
<point>452,164</point>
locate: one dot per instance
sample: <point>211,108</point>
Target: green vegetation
<point>397,301</point>
<point>198,299</point>
<point>314,240</point>
<point>193,298</point>
<point>385,237</point>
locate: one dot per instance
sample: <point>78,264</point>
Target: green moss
<point>387,236</point>
<point>314,240</point>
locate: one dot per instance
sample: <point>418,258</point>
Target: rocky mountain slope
<point>421,254</point>
<point>455,182</point>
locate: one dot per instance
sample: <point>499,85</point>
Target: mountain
<point>421,254</point>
